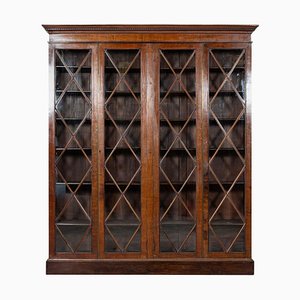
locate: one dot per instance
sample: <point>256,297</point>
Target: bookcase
<point>150,149</point>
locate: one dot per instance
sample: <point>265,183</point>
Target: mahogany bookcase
<point>150,149</point>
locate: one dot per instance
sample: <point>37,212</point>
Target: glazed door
<point>122,151</point>
<point>177,198</point>
<point>73,151</point>
<point>227,177</point>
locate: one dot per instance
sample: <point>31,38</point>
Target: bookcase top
<point>54,29</point>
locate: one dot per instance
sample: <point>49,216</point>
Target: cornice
<point>54,29</point>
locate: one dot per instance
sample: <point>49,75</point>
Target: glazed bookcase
<point>150,149</point>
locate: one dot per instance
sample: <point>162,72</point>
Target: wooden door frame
<point>145,194</point>
<point>205,127</point>
<point>156,144</point>
<point>52,123</point>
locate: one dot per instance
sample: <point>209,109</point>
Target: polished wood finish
<point>149,33</point>
<point>133,66</point>
<point>151,126</point>
<point>52,150</point>
<point>152,266</point>
<point>51,29</point>
<point>51,153</point>
<point>246,145</point>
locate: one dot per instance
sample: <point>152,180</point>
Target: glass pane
<point>122,151</point>
<point>226,151</point>
<point>177,151</point>
<point>73,150</point>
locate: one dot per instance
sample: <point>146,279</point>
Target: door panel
<point>226,151</point>
<point>122,144</point>
<point>177,151</point>
<point>72,137</point>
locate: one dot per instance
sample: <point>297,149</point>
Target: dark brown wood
<point>153,266</point>
<point>154,116</point>
<point>149,33</point>
<point>145,161</point>
<point>149,131</point>
<point>94,145</point>
<point>149,38</point>
<point>101,153</point>
<point>51,154</point>
<point>234,168</point>
<point>142,253</point>
<point>205,152</point>
<point>52,128</point>
<point>248,152</point>
<point>148,28</point>
<point>132,66</point>
<point>158,234</point>
<point>199,143</point>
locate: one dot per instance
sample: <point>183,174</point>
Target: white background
<point>23,146</point>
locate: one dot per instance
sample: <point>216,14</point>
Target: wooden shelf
<point>122,148</point>
<point>73,66</point>
<point>178,149</point>
<point>73,149</point>
<point>135,183</point>
<point>163,183</point>
<point>73,91</point>
<point>161,120</point>
<point>216,68</point>
<point>177,93</point>
<point>226,223</point>
<point>123,93</point>
<point>210,183</point>
<point>74,223</point>
<point>222,92</point>
<point>131,70</point>
<point>226,119</point>
<point>122,223</point>
<point>74,183</point>
<point>73,119</point>
<point>177,70</point>
<point>226,183</point>
<point>192,120</point>
<point>138,183</point>
<point>227,149</point>
<point>138,70</point>
<point>175,120</point>
<point>176,223</point>
<point>139,148</point>
<point>161,149</point>
<point>123,120</point>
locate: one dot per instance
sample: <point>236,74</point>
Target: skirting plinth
<point>151,266</point>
